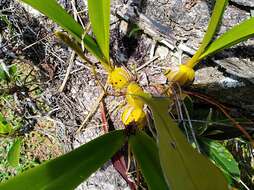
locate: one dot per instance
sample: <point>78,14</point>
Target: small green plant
<point>17,78</point>
<point>166,162</point>
<point>7,128</point>
<point>11,161</point>
<point>7,73</point>
<point>14,153</point>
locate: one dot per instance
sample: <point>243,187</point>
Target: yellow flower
<point>134,115</point>
<point>182,76</point>
<point>119,78</point>
<point>132,90</point>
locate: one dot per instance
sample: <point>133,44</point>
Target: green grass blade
<point>218,11</point>
<point>146,153</point>
<point>237,34</point>
<point>68,171</point>
<point>183,166</point>
<point>14,153</point>
<point>54,11</point>
<point>99,14</point>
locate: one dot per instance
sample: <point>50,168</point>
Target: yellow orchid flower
<point>182,76</point>
<point>134,89</point>
<point>119,78</point>
<point>134,115</point>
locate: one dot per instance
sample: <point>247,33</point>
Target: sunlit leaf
<point>13,69</point>
<point>54,11</point>
<point>5,127</point>
<point>183,166</point>
<point>222,157</point>
<point>68,171</point>
<point>146,153</point>
<point>99,14</point>
<point>237,34</point>
<point>218,11</point>
<point>3,75</point>
<point>14,153</point>
<point>4,71</point>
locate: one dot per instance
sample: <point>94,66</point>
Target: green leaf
<point>14,153</point>
<point>237,34</point>
<point>146,153</point>
<point>3,75</point>
<point>218,11</point>
<point>68,171</point>
<point>54,11</point>
<point>4,72</point>
<point>13,70</point>
<point>5,127</point>
<point>222,157</point>
<point>99,14</point>
<point>183,166</point>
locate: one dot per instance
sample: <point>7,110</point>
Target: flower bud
<point>182,76</point>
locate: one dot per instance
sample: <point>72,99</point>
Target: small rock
<point>121,58</point>
<point>247,3</point>
<point>162,51</point>
<point>157,79</point>
<point>230,83</point>
<point>123,27</point>
<point>143,80</point>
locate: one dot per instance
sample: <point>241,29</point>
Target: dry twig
<point>92,112</point>
<point>71,63</point>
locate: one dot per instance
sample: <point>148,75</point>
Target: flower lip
<point>132,90</point>
<point>133,115</point>
<point>119,78</point>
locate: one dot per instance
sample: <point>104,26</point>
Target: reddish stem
<point>223,110</point>
<point>118,159</point>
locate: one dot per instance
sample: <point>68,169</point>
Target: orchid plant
<point>167,161</point>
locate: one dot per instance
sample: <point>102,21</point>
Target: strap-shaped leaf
<point>237,34</point>
<point>99,14</point>
<point>218,11</point>
<point>54,11</point>
<point>14,153</point>
<point>146,153</point>
<point>68,171</point>
<point>222,157</point>
<point>183,166</point>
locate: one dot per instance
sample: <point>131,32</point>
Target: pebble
<point>123,27</point>
<point>230,83</point>
<point>162,51</point>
